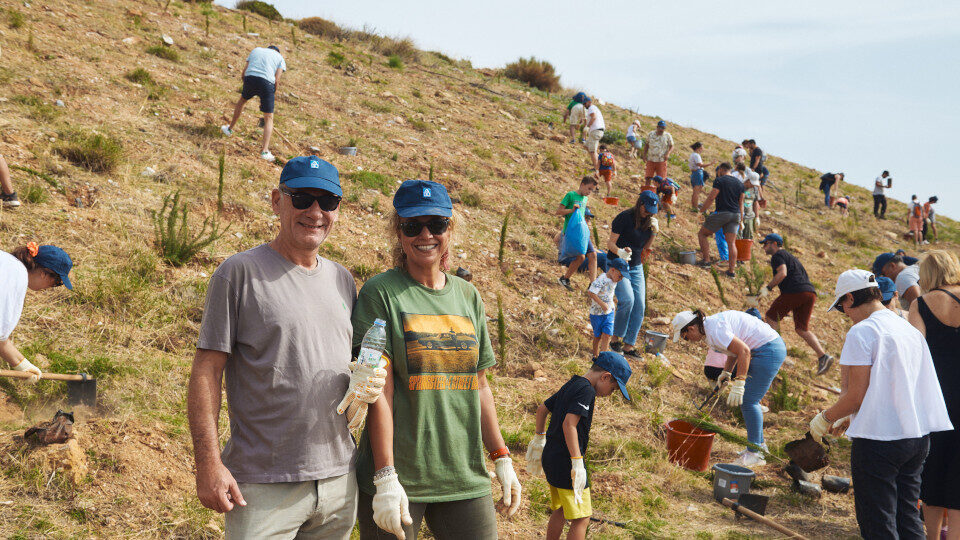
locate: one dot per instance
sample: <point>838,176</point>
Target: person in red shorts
<point>606,167</point>
<point>797,297</point>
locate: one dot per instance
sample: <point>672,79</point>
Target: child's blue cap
<point>617,366</point>
<point>620,265</point>
<point>887,287</point>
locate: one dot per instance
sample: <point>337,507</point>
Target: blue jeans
<point>696,178</point>
<point>722,249</point>
<point>826,195</point>
<point>631,305</point>
<point>764,364</point>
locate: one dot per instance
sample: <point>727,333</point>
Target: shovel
<point>715,390</point>
<point>81,389</point>
<point>740,509</point>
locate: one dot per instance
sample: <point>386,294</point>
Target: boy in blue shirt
<point>558,450</point>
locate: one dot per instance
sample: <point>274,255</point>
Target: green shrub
<point>35,194</point>
<point>416,93</point>
<point>782,399</point>
<point>43,176</point>
<point>364,272</point>
<point>482,153</point>
<point>442,57</point>
<point>15,19</point>
<point>471,199</point>
<point>371,180</point>
<point>613,136</point>
<point>536,73</point>
<point>40,110</point>
<point>335,59</point>
<point>395,62</point>
<point>92,151</point>
<point>503,239</point>
<point>140,76</point>
<point>375,107</point>
<point>263,9</point>
<point>175,241</point>
<point>553,161</point>
<point>321,28</point>
<point>164,52</point>
<point>419,125</point>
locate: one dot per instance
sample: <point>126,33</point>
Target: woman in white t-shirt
<point>697,173</point>
<point>754,348</point>
<point>632,139</point>
<point>29,267</point>
<point>890,402</point>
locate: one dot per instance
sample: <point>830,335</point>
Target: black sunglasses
<point>56,278</point>
<point>436,226</point>
<point>301,201</point>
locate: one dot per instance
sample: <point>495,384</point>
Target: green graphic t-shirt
<point>570,199</point>
<point>437,341</point>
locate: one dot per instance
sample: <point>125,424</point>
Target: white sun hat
<point>679,321</point>
<point>853,280</point>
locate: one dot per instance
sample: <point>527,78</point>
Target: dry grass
<point>537,73</point>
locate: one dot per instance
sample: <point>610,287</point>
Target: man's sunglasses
<point>436,226</point>
<point>301,201</point>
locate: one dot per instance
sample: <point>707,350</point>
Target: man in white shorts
<point>595,128</point>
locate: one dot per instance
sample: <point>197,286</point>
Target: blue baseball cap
<point>772,237</point>
<point>56,259</point>
<point>650,201</point>
<point>616,365</point>
<point>881,261</point>
<point>422,198</point>
<point>311,172</point>
<point>619,264</point>
<point>887,287</point>
<point>661,124</point>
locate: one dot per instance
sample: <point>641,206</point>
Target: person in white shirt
<point>633,139</point>
<point>754,349</point>
<point>906,277</point>
<point>739,154</point>
<point>595,129</point>
<point>889,404</point>
<point>577,120</point>
<point>602,302</point>
<point>260,77</point>
<point>879,199</point>
<point>697,173</point>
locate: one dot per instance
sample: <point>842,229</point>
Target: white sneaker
<point>925,242</point>
<point>764,408</point>
<point>267,156</point>
<point>748,458</point>
<point>226,130</point>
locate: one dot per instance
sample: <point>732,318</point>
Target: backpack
<point>606,159</point>
<point>917,210</point>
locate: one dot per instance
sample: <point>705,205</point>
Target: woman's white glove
<point>25,365</point>
<point>535,453</point>
<point>624,253</point>
<point>579,475</point>
<point>366,385</point>
<point>819,427</point>
<point>391,510</point>
<point>735,397</point>
<point>723,379</point>
<point>510,484</point>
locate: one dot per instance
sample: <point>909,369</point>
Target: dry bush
<point>321,27</point>
<point>404,48</point>
<point>263,9</point>
<point>537,73</point>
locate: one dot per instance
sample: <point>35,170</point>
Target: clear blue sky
<point>856,87</point>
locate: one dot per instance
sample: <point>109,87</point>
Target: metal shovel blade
<point>82,392</point>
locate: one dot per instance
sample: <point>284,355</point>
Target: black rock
<point>835,484</point>
<point>807,488</point>
<point>796,472</point>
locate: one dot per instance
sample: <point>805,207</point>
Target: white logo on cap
<point>426,192</point>
<point>314,164</point>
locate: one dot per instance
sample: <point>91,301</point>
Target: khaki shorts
<point>593,139</point>
<point>576,116</point>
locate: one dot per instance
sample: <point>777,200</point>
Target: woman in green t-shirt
<point>421,451</point>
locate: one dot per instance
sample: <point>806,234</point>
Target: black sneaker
<point>616,346</point>
<point>565,282</point>
<point>10,200</point>
<point>824,363</point>
<point>634,352</point>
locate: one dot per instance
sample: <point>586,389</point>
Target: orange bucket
<point>688,446</point>
<point>743,249</point>
<point>612,201</point>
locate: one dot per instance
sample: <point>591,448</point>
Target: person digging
<point>797,297</point>
<point>260,77</point>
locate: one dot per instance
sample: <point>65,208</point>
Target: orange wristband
<point>497,454</point>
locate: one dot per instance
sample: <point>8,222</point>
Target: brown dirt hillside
<point>132,320</point>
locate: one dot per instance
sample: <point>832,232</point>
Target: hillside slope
<point>133,320</point>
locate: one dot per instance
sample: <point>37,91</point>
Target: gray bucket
<point>348,150</point>
<point>731,481</point>
<point>688,257</point>
<point>654,342</point>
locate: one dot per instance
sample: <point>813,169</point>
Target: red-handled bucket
<point>688,446</point>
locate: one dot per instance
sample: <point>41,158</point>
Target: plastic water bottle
<point>374,341</point>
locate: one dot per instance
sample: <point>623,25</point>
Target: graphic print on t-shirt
<point>442,352</point>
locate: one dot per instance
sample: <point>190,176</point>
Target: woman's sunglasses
<point>436,226</point>
<point>56,278</point>
<point>301,201</point>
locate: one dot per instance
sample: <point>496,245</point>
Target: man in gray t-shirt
<point>277,325</point>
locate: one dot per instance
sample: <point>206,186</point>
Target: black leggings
<point>880,202</point>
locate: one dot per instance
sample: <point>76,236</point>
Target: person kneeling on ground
<point>752,347</point>
<point>260,77</point>
<point>890,403</point>
<point>601,293</point>
<point>557,451</point>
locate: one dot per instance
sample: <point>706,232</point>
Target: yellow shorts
<point>563,498</point>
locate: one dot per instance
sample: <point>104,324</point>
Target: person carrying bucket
<point>752,347</point>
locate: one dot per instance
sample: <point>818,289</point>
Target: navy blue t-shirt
<point>796,280</point>
<point>731,188</point>
<point>630,236</point>
<point>577,396</point>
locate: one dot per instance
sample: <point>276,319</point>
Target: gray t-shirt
<point>288,333</point>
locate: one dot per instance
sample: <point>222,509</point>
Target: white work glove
<point>723,379</point>
<point>579,475</point>
<point>366,385</point>
<point>764,291</point>
<point>391,510</point>
<point>510,484</point>
<point>535,453</point>
<point>25,365</point>
<point>735,397</point>
<point>819,427</point>
<point>624,253</point>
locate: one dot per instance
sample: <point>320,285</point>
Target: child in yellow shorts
<point>558,450</point>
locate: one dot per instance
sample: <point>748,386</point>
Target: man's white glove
<point>723,379</point>
<point>535,453</point>
<point>366,385</point>
<point>391,510</point>
<point>735,397</point>
<point>764,291</point>
<point>624,253</point>
<point>510,484</point>
<point>819,427</point>
<point>25,365</point>
<point>579,475</point>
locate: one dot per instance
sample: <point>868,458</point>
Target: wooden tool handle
<point>760,519</point>
<point>50,376</point>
